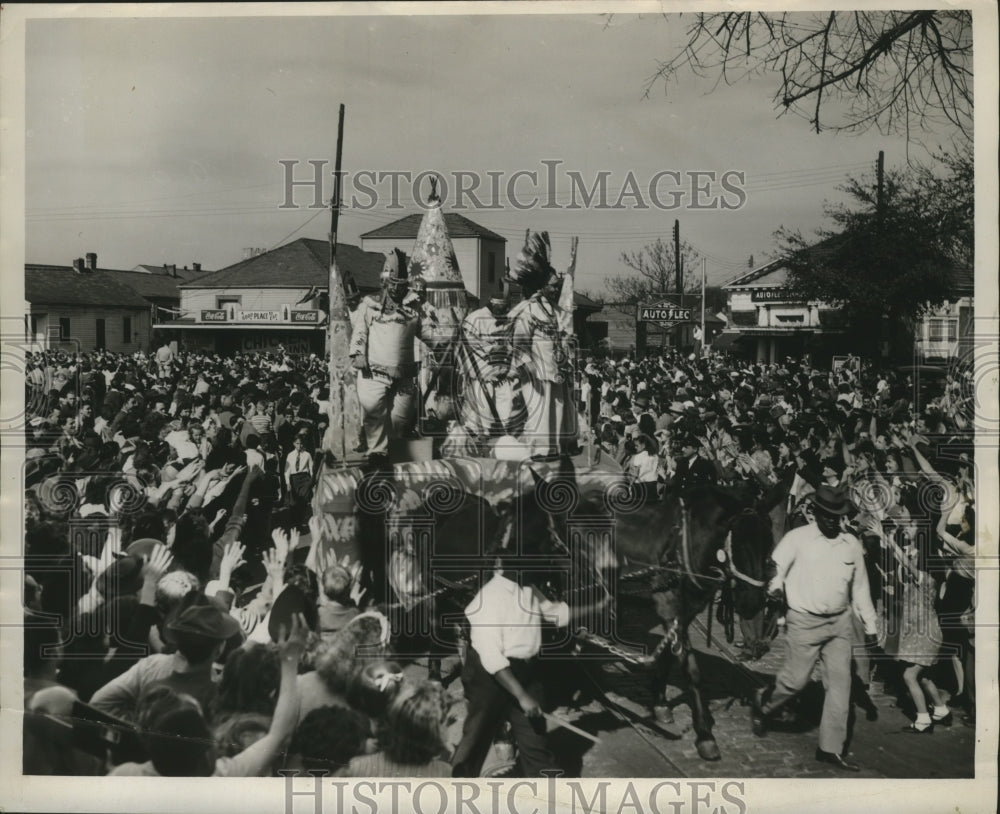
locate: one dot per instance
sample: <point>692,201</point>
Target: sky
<point>159,140</point>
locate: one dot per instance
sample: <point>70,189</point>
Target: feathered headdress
<point>532,267</point>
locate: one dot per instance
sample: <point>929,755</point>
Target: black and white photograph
<point>486,407</point>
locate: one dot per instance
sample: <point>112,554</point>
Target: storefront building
<point>768,322</point>
<point>266,303</point>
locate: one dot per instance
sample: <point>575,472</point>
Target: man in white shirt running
<point>500,675</point>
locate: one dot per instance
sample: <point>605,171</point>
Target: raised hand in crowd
<point>355,570</point>
<point>232,558</point>
<point>154,566</point>
<point>219,517</point>
<point>292,640</point>
<point>317,530</point>
<point>220,485</point>
<point>285,542</point>
<point>275,568</point>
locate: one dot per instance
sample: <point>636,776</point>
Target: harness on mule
<point>727,599</point>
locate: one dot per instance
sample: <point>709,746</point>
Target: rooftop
<point>300,264</point>
<point>182,274</point>
<point>775,274</point>
<point>458,226</point>
<point>62,285</point>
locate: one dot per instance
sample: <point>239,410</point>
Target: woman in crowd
<point>413,738</point>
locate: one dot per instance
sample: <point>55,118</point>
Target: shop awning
<point>726,340</point>
<point>235,326</point>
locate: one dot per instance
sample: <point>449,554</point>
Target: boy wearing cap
<point>200,633</point>
<point>821,572</point>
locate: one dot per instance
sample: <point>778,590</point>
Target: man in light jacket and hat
<point>821,573</point>
<point>382,350</point>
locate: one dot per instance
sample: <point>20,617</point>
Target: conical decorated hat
<point>433,256</point>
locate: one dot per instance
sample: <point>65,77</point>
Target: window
<point>34,325</point>
<point>492,268</point>
<point>63,329</point>
<point>126,330</point>
<point>936,330</point>
<point>222,302</point>
<point>952,330</point>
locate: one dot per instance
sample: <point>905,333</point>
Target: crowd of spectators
<point>169,607</point>
<point>168,592</point>
<point>897,441</point>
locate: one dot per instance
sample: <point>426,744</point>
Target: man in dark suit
<point>693,469</point>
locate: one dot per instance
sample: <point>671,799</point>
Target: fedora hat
<point>831,501</point>
<point>203,620</point>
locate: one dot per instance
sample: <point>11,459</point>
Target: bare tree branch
<point>896,71</point>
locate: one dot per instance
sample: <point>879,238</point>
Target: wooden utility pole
<point>884,330</point>
<point>678,276</point>
<point>704,274</point>
<point>335,200</point>
<point>880,189</point>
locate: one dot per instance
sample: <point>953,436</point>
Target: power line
<point>316,214</point>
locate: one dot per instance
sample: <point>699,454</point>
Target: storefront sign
<point>305,317</point>
<point>771,295</point>
<point>664,313</point>
<point>258,316</point>
<point>214,315</point>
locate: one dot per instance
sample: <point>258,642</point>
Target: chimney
<point>196,267</point>
<point>91,261</point>
<point>173,269</point>
<point>165,268</point>
<point>78,265</point>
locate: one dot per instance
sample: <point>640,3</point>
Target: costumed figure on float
<point>485,357</point>
<point>543,358</point>
<point>383,351</point>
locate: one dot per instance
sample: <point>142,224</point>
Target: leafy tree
<point>897,71</point>
<point>654,266</point>
<point>885,263</point>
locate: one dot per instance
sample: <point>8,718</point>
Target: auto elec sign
<point>664,313</point>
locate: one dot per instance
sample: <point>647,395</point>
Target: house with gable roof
<point>768,320</point>
<point>267,301</point>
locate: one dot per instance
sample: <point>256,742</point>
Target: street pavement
<point>611,700</point>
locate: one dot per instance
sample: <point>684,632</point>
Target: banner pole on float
<point>333,503</point>
<point>344,432</point>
